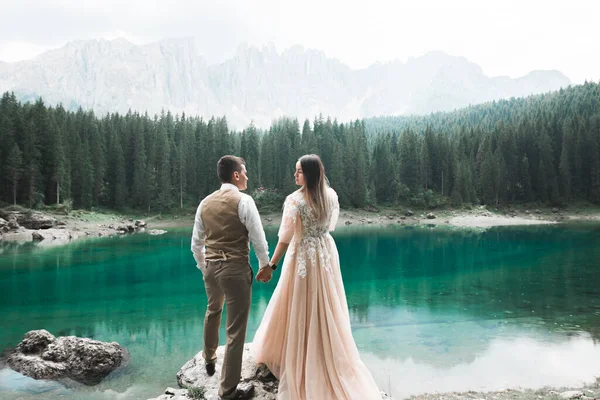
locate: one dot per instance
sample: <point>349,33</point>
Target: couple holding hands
<point>304,337</point>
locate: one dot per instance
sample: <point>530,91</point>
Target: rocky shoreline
<point>476,217</point>
<point>55,229</point>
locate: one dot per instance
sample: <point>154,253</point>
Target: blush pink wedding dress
<point>305,337</point>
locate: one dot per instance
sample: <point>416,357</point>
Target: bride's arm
<point>266,273</point>
<point>279,252</point>
<point>286,233</point>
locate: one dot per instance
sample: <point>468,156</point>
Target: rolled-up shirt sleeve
<point>251,219</point>
<point>198,239</point>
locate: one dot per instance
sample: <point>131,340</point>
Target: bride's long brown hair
<point>315,185</point>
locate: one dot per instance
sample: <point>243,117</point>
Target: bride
<point>305,337</point>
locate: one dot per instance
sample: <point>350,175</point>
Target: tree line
<point>543,148</point>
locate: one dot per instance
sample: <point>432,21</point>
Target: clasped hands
<point>265,274</point>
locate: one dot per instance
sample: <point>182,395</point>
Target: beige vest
<point>226,235</point>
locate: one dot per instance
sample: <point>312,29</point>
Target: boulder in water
<point>41,355</point>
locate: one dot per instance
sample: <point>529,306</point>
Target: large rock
<point>42,356</point>
<point>193,376</point>
<point>33,220</point>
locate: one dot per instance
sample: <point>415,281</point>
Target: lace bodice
<point>308,236</point>
<point>296,206</point>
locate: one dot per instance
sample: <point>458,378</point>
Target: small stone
<point>37,237</point>
<point>348,222</point>
<point>430,216</point>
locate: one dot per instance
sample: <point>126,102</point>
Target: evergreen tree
<point>14,163</point>
<point>250,151</point>
<point>565,172</point>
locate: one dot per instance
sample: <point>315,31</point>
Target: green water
<point>432,309</point>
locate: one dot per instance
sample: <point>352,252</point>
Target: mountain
<point>256,84</point>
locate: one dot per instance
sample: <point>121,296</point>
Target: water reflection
<point>505,274</point>
<point>432,310</point>
<point>506,363</point>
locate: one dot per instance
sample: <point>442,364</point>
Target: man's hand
<point>264,274</point>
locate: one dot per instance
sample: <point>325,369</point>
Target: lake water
<point>433,309</point>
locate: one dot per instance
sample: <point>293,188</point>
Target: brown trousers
<point>228,282</point>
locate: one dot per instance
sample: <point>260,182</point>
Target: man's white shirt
<point>249,216</point>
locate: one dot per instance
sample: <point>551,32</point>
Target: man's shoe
<point>244,391</point>
<point>210,368</point>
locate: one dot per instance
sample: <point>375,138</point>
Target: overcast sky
<point>505,37</point>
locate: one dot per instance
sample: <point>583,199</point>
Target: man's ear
<point>236,175</point>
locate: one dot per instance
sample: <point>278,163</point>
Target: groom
<point>225,223</point>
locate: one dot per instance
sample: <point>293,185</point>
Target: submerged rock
<point>192,377</point>
<point>43,356</point>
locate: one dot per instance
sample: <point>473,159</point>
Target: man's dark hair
<point>227,165</point>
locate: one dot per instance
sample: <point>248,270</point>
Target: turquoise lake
<point>433,309</point>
